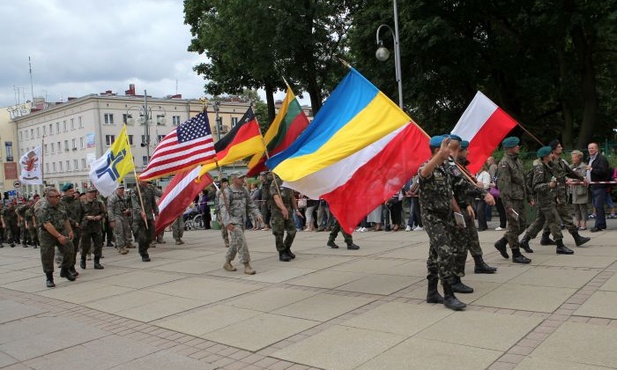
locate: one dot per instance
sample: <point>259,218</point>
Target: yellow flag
<point>107,172</point>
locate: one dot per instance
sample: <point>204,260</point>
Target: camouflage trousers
<point>465,239</point>
<point>547,218</point>
<point>90,237</point>
<point>334,233</point>
<point>24,234</point>
<point>515,226</point>
<point>279,226</point>
<point>237,245</point>
<point>564,210</point>
<point>12,233</point>
<point>144,233</point>
<point>177,228</point>
<point>441,254</point>
<point>34,235</point>
<point>48,245</point>
<point>122,232</point>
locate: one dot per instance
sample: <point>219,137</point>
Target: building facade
<point>74,133</point>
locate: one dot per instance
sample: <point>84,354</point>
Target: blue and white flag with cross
<point>107,172</point>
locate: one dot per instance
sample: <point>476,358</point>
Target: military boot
<point>145,257</point>
<point>82,262</point>
<point>353,247</point>
<point>50,280</point>
<point>579,240</point>
<point>248,269</point>
<point>481,266</point>
<point>433,296</point>
<point>97,263</point>
<point>73,271</point>
<point>65,273</point>
<point>459,287</point>
<point>502,246</point>
<point>450,300</point>
<point>517,257</point>
<point>228,266</point>
<point>561,248</point>
<point>546,239</point>
<point>290,253</point>
<point>524,243</point>
<point>332,244</point>
<point>284,256</point>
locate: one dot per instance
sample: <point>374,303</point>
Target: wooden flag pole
<point>530,134</point>
<point>141,200</point>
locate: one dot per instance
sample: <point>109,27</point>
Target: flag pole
<point>141,200</point>
<point>529,133</point>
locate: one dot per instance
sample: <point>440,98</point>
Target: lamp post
<point>382,54</point>
<point>145,118</point>
<point>216,105</point>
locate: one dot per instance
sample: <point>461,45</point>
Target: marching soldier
<point>91,228</point>
<point>118,215</point>
<point>217,211</point>
<point>23,235</point>
<point>9,222</point>
<point>143,216</point>
<point>75,213</point>
<point>31,224</point>
<point>284,205</point>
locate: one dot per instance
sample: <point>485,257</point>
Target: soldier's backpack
<point>529,181</point>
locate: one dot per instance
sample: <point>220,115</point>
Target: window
<point>75,164</point>
<point>57,127</point>
<point>46,149</point>
<point>81,142</point>
<point>66,145</point>
<point>38,132</point>
<point>32,133</point>
<point>72,123</point>
<point>44,130</point>
<point>21,136</point>
<point>126,118</point>
<point>26,134</point>
<point>46,167</point>
<point>83,164</point>
<point>130,139</point>
<point>144,160</point>
<point>145,140</point>
<point>175,120</point>
<point>68,166</point>
<point>109,139</point>
<point>51,129</point>
<point>59,148</point>
<point>74,144</point>
<point>53,148</point>
<point>234,121</point>
<point>60,166</point>
<point>160,138</point>
<point>64,128</point>
<point>53,167</point>
<point>160,119</point>
<point>108,118</point>
<point>79,122</point>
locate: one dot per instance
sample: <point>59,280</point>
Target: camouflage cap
<point>237,174</point>
<point>91,189</point>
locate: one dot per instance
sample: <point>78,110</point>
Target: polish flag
<point>484,125</point>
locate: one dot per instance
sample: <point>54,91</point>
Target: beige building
<point>74,133</point>
<point>8,154</point>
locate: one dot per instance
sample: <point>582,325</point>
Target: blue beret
<point>464,144</point>
<point>510,142</point>
<point>67,187</point>
<point>455,137</point>
<point>436,141</point>
<point>544,151</point>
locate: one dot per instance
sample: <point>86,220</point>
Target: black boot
<point>82,262</point>
<point>579,240</point>
<point>73,271</point>
<point>561,248</point>
<point>65,273</point>
<point>283,256</point>
<point>546,240</point>
<point>481,266</point>
<point>524,243</point>
<point>50,280</point>
<point>517,257</point>
<point>502,246</point>
<point>332,244</point>
<point>97,263</point>
<point>433,296</point>
<point>145,257</point>
<point>450,300</point>
<point>289,252</point>
<point>459,287</point>
<point>352,247</point>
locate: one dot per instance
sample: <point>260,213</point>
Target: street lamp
<point>216,105</point>
<point>146,119</point>
<point>382,54</point>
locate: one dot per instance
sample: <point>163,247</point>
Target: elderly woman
<point>580,193</point>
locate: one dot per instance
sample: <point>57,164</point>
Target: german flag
<point>242,141</point>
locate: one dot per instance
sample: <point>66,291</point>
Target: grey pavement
<point>327,309</point>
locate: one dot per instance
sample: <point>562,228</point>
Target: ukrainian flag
<point>356,115</point>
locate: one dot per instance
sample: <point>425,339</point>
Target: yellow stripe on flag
<point>121,144</point>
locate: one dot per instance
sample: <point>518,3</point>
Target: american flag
<point>187,146</point>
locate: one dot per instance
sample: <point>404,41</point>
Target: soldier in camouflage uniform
<point>31,224</point>
<point>437,206</point>
<point>235,203</point>
<point>118,215</point>
<point>217,211</point>
<point>511,184</point>
<point>75,212</point>
<point>266,198</point>
<point>91,228</point>
<point>466,239</point>
<point>347,237</point>
<point>9,222</point>
<point>54,231</point>
<point>2,233</point>
<point>24,235</point>
<point>284,205</point>
<point>143,217</point>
